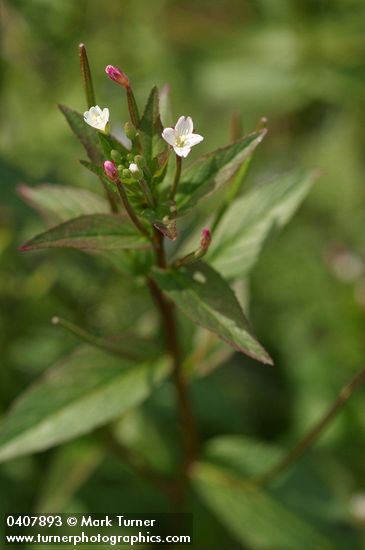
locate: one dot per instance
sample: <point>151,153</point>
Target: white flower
<point>181,137</point>
<point>133,168</point>
<point>96,117</point>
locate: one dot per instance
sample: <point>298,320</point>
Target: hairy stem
<point>130,210</point>
<point>147,193</point>
<point>316,431</point>
<point>177,177</point>
<point>168,317</point>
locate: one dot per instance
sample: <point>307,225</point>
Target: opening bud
<point>117,75</point>
<point>111,170</point>
<point>205,239</point>
<point>135,171</point>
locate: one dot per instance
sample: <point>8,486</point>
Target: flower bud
<point>129,131</point>
<point>126,174</point>
<point>117,75</point>
<point>110,170</point>
<point>135,171</point>
<point>116,156</point>
<point>205,239</point>
<point>140,161</point>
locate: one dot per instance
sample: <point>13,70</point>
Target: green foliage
<point>302,67</point>
<point>212,171</point>
<point>82,392</point>
<point>87,136</point>
<point>59,203</point>
<point>246,225</point>
<point>90,233</point>
<point>207,300</point>
<point>150,130</point>
<point>252,515</point>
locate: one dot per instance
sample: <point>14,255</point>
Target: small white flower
<point>181,137</point>
<point>96,117</point>
<point>133,168</point>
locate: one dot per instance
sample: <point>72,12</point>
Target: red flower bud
<point>117,75</point>
<point>205,239</point>
<point>111,170</point>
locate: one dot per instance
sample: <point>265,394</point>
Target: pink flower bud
<point>111,170</point>
<point>205,239</point>
<point>117,75</point>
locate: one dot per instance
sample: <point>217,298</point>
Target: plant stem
<point>137,463</point>
<point>112,203</point>
<point>147,193</point>
<point>316,431</point>
<point>168,317</point>
<point>177,177</point>
<point>130,210</point>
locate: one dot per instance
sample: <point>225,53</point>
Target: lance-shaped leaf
<point>108,142</point>
<point>87,135</point>
<point>244,228</point>
<point>90,233</point>
<point>151,129</point>
<point>210,172</point>
<point>58,203</point>
<point>81,393</point>
<point>251,514</point>
<point>205,297</point>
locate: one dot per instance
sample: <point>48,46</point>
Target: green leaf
<point>151,130</point>
<point>109,142</point>
<point>90,233</point>
<point>205,297</point>
<point>256,519</point>
<point>246,456</point>
<point>165,106</point>
<point>128,345</point>
<point>58,203</point>
<point>87,390</point>
<point>244,228</point>
<point>209,173</point>
<point>87,135</point>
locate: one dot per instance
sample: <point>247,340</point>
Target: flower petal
<point>184,126</point>
<point>193,139</point>
<point>182,151</point>
<point>95,111</point>
<point>169,135</point>
<point>105,114</point>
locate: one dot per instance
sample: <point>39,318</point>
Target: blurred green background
<point>301,64</point>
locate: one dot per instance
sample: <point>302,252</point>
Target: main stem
<point>168,317</point>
